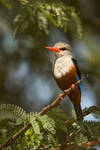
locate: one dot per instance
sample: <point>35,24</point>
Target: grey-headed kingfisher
<point>67,73</point>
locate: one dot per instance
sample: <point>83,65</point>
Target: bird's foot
<point>73,86</point>
<point>61,96</point>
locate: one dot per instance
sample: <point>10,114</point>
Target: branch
<point>43,111</point>
<point>73,146</point>
<point>91,143</point>
<point>85,113</point>
<point>83,147</point>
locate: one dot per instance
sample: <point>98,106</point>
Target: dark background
<point>26,67</point>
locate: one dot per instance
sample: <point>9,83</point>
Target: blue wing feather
<point>77,71</point>
<point>80,86</point>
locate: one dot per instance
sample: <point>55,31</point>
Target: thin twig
<point>43,111</point>
<point>84,146</point>
<point>87,112</point>
<point>91,143</point>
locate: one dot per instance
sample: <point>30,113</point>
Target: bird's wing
<point>77,71</point>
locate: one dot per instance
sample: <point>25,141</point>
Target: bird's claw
<point>73,86</point>
<point>61,96</point>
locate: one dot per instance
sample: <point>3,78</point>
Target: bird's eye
<point>63,48</point>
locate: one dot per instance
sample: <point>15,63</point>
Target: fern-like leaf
<point>34,123</point>
<point>12,112</point>
<point>47,123</point>
<point>60,117</point>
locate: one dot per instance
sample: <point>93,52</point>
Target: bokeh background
<point>26,66</point>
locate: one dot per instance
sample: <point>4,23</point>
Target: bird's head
<point>61,49</point>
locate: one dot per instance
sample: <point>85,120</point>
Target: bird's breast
<point>62,66</point>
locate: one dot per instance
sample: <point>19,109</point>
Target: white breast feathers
<point>62,66</point>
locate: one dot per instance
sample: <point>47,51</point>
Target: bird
<point>66,73</point>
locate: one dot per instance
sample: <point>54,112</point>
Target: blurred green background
<point>26,67</point>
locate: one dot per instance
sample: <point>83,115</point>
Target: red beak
<point>54,49</point>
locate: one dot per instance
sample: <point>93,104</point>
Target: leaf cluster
<point>42,133</point>
<point>48,130</point>
<point>40,16</point>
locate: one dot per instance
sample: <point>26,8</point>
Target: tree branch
<point>91,143</point>
<point>43,111</point>
<point>83,147</point>
<point>85,113</point>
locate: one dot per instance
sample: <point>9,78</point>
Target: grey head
<point>65,48</point>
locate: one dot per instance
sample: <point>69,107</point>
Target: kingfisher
<point>66,73</point>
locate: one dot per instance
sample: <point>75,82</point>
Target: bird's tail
<point>78,111</point>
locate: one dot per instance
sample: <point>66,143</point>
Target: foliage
<point>40,15</point>
<point>5,3</point>
<point>12,112</point>
<point>43,133</point>
<point>60,118</point>
<point>83,132</point>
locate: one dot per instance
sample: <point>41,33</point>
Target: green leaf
<point>12,112</point>
<point>45,14</point>
<point>34,124</point>
<point>48,124</point>
<point>49,16</point>
<point>4,2</point>
<point>60,117</point>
